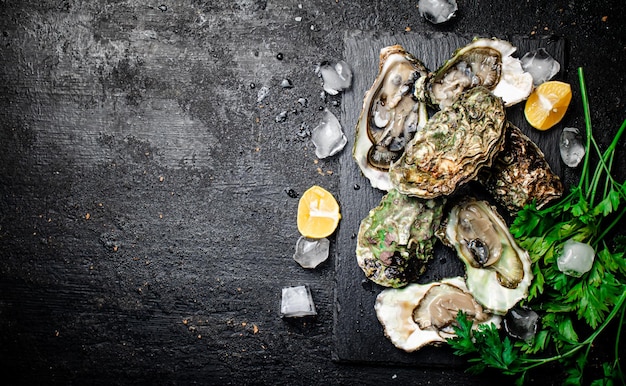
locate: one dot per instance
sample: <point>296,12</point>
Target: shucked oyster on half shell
<point>396,239</point>
<point>521,174</point>
<point>455,143</point>
<point>483,62</point>
<point>390,115</point>
<point>423,314</point>
<point>498,271</point>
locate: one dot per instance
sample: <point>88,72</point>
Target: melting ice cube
<point>576,258</point>
<point>437,11</point>
<point>571,147</point>
<point>262,93</point>
<point>540,65</point>
<point>297,302</point>
<point>311,252</point>
<point>328,137</point>
<point>335,78</point>
<point>521,323</point>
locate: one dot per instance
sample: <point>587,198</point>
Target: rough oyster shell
<point>483,62</point>
<point>521,174</point>
<point>422,314</point>
<point>455,143</point>
<point>498,271</point>
<point>395,241</point>
<point>390,115</point>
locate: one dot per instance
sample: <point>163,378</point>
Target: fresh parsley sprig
<point>570,307</point>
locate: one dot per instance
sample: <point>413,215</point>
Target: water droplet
<point>291,193</point>
<point>281,117</point>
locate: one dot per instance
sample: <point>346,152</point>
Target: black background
<point>145,228</point>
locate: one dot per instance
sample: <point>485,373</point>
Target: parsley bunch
<point>570,307</point>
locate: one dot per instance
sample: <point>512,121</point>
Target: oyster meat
<point>423,314</point>
<point>521,174</point>
<point>498,271</point>
<point>483,62</point>
<point>455,143</point>
<point>390,115</point>
<point>395,241</point>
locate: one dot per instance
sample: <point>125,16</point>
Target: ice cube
<point>335,77</point>
<point>521,323</point>
<point>311,252</point>
<point>540,65</point>
<point>262,93</point>
<point>297,302</point>
<point>571,147</point>
<point>281,117</point>
<point>437,11</point>
<point>328,137</point>
<point>576,258</point>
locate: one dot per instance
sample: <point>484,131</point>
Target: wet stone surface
<point>145,231</point>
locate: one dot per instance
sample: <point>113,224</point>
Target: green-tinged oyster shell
<point>450,150</point>
<point>396,239</point>
<point>521,174</point>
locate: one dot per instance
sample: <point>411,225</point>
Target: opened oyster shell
<point>455,143</point>
<point>423,314</point>
<point>498,271</point>
<point>395,241</point>
<point>390,115</point>
<point>483,62</point>
<point>521,174</point>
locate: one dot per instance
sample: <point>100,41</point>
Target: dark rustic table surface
<point>146,228</point>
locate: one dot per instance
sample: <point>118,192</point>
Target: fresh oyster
<point>483,62</point>
<point>521,174</point>
<point>396,239</point>
<point>423,314</point>
<point>455,143</point>
<point>390,115</point>
<point>498,271</point>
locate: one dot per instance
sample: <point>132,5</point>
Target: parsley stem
<point>608,228</point>
<point>606,157</point>
<point>617,340</point>
<point>583,93</point>
<point>587,342</point>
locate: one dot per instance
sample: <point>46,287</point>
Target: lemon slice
<point>318,213</point>
<point>547,104</point>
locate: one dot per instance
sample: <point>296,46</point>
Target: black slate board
<point>358,336</point>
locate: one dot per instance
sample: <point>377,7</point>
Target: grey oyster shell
<point>396,239</point>
<point>422,314</point>
<point>521,174</point>
<point>453,146</point>
<point>498,271</point>
<point>390,115</point>
<point>483,62</point>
